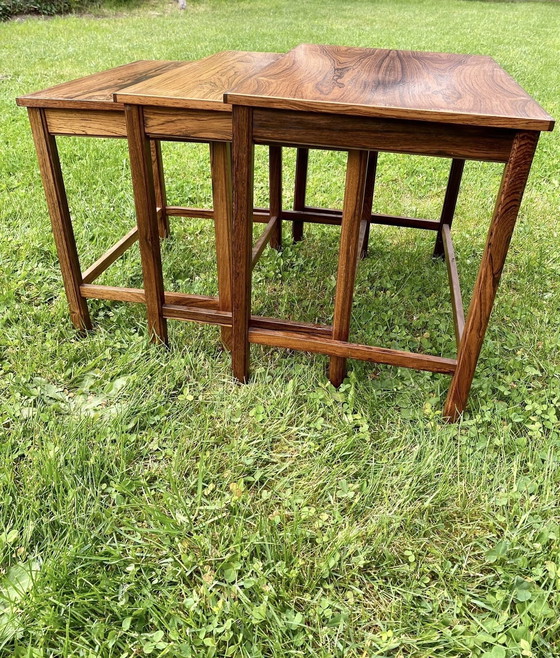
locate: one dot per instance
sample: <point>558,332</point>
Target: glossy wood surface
<point>352,212</point>
<point>337,131</point>
<point>95,92</point>
<point>501,228</point>
<point>198,85</point>
<point>61,222</point>
<point>398,84</point>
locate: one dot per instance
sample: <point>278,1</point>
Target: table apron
<point>86,123</point>
<point>173,123</point>
<point>335,131</point>
<point>160,123</point>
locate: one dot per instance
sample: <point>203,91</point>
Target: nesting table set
<point>361,101</point>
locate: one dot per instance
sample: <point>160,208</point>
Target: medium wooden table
<point>186,104</point>
<point>85,108</point>
<point>361,100</point>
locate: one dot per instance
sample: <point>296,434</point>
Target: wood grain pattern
<point>501,228</point>
<point>449,204</point>
<point>148,237</point>
<point>396,136</point>
<point>159,189</point>
<point>96,91</point>
<point>243,180</point>
<point>454,286</point>
<point>110,256</point>
<point>86,123</point>
<point>138,296</point>
<point>184,125</point>
<point>396,84</point>
<point>342,350</point>
<point>265,237</point>
<point>220,164</point>
<point>352,212</point>
<point>198,85</point>
<point>55,193</point>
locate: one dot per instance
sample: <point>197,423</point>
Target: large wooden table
<point>362,100</point>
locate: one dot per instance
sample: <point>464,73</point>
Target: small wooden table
<point>186,104</point>
<point>85,108</point>
<point>361,100</point>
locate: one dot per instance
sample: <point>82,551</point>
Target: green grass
<point>151,506</point>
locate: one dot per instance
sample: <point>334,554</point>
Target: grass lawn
<point>151,506</point>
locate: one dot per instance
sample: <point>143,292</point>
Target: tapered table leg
<point>449,203</point>
<point>220,163</point>
<point>275,187</point>
<point>509,198</point>
<point>146,217</point>
<point>53,183</point>
<point>356,173</point>
<point>368,201</point>
<point>243,174</point>
<point>159,187</point>
<point>300,189</point>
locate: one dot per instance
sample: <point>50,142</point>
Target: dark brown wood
<point>243,156</point>
<point>352,211</point>
<point>184,125</point>
<point>202,315</point>
<point>198,85</point>
<point>300,190</point>
<point>449,203</point>
<point>159,189</point>
<point>264,239</point>
<point>509,198</point>
<point>275,195</point>
<point>343,350</point>
<point>95,92</point>
<point>220,162</point>
<point>208,315</point>
<point>195,213</point>
<point>395,84</point>
<point>148,237</point>
<point>368,203</point>
<point>317,130</point>
<point>333,217</point>
<point>138,296</point>
<point>110,256</point>
<point>86,123</point>
<point>55,193</point>
<point>454,286</point>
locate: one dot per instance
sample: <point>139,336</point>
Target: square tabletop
<point>95,92</point>
<point>200,84</point>
<point>395,84</point>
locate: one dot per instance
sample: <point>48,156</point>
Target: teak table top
<point>95,92</point>
<point>200,84</point>
<point>396,84</point>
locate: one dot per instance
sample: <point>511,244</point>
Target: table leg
<point>352,211</point>
<point>449,203</point>
<point>243,176</point>
<point>368,200</point>
<point>275,187</point>
<point>55,193</point>
<point>509,198</point>
<point>146,217</point>
<point>159,187</point>
<point>300,189</point>
<point>220,164</point>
